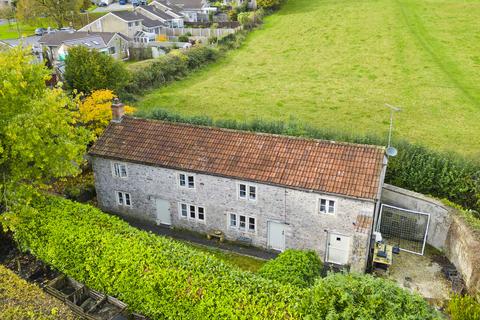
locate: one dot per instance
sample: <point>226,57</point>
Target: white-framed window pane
<point>252,192</point>
<point>123,170</point>
<point>192,212</point>
<point>191,182</point>
<point>251,224</point>
<point>184,211</point>
<point>120,197</point>
<point>201,213</point>
<point>182,180</point>
<point>243,190</point>
<point>127,199</point>
<point>331,206</point>
<point>233,220</point>
<point>116,169</point>
<point>243,222</point>
<point>323,205</point>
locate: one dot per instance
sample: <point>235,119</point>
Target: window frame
<point>114,170</point>
<point>238,217</point>
<point>248,186</point>
<point>186,180</point>
<point>123,197</point>
<point>189,212</point>
<point>327,205</point>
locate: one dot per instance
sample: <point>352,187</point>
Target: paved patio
<point>196,238</point>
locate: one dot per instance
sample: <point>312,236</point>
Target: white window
<point>233,220</point>
<point>183,210</point>
<point>242,222</point>
<point>247,191</point>
<point>186,181</point>
<point>120,170</point>
<point>192,212</point>
<point>124,198</point>
<point>327,206</point>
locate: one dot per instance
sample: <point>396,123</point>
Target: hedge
<point>165,279</point>
<point>442,175</point>
<point>295,267</point>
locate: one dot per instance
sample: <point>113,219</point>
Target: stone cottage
<point>279,192</point>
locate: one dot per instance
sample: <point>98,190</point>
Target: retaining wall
<point>447,231</point>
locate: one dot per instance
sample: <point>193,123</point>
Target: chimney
<point>118,110</point>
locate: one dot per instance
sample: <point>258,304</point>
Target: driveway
<point>114,7</point>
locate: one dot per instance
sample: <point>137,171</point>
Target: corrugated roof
<point>323,166</point>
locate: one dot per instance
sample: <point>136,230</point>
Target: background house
<point>276,192</point>
<point>56,44</point>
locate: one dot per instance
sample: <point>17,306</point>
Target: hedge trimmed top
<point>319,165</point>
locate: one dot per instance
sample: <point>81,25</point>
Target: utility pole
<point>393,109</point>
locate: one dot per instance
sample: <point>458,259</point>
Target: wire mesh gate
<point>404,228</point>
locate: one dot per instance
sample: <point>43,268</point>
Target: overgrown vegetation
<point>39,141</point>
<point>163,278</point>
<point>295,267</point>
<point>464,308</point>
<point>415,168</point>
<point>88,70</point>
<point>21,300</point>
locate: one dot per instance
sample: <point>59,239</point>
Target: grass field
<point>334,64</point>
<point>10,31</point>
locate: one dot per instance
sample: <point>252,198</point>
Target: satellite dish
<point>391,152</point>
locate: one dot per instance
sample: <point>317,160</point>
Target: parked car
<point>67,29</point>
<point>102,4</point>
<point>122,2</point>
<point>40,31</point>
<point>139,3</point>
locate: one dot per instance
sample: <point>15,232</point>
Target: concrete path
<point>202,240</point>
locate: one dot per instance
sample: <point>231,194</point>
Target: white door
<point>163,212</point>
<point>338,249</point>
<point>276,235</point>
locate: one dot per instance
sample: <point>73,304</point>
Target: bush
<point>298,268</point>
<point>416,168</point>
<point>183,38</point>
<point>268,4</point>
<point>165,279</point>
<point>351,296</point>
<point>167,68</point>
<point>87,70</point>
<point>463,308</point>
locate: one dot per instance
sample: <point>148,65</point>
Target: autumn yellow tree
<point>94,111</point>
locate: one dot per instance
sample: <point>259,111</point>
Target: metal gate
<point>404,228</point>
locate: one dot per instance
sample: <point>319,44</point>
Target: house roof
<point>159,13</point>
<point>57,38</point>
<point>128,15</point>
<point>150,23</point>
<point>172,7</point>
<point>321,166</point>
<point>188,4</point>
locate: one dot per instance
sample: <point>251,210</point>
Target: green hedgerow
<point>295,267</point>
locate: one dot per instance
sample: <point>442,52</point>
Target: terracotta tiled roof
<point>317,165</point>
<point>363,224</point>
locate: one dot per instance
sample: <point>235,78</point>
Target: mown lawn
<point>334,64</point>
<point>10,31</point>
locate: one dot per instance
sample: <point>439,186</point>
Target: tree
<point>267,4</point>
<point>38,137</point>
<point>59,11</point>
<point>88,70</point>
<point>95,113</point>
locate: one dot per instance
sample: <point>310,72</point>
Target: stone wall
<point>447,231</point>
<point>305,227</point>
<point>440,218</point>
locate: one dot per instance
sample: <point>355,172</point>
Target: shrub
<point>352,296</point>
<point>298,268</point>
<point>165,279</point>
<point>463,308</point>
<point>87,70</point>
<point>439,174</point>
<point>173,66</point>
<point>268,4</point>
<point>183,38</point>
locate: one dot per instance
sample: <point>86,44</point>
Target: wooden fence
<point>199,32</point>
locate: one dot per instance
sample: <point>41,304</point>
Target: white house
<point>275,191</point>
